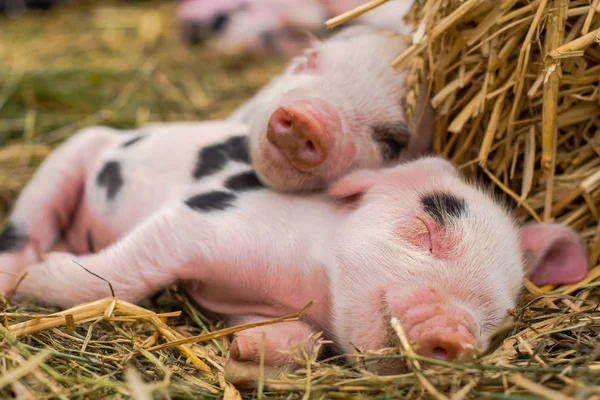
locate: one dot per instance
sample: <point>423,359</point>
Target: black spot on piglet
<point>213,158</point>
<point>237,148</point>
<point>244,181</point>
<point>211,201</point>
<point>12,239</point>
<point>110,177</point>
<point>444,206</point>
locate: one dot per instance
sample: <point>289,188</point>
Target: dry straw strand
<point>356,12</point>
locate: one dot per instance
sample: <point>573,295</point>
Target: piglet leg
<point>142,262</point>
<point>45,207</point>
<point>278,347</point>
<point>179,242</point>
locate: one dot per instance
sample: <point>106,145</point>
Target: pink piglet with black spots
<point>415,241</point>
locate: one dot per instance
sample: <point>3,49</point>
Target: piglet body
<point>101,183</point>
<point>413,242</point>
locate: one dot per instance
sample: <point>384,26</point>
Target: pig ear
<point>350,189</point>
<point>553,254</point>
<point>306,63</point>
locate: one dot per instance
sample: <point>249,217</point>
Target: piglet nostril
<point>219,22</point>
<point>310,147</point>
<point>439,353</point>
<point>445,343</point>
<point>285,122</point>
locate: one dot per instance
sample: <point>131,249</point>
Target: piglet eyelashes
<point>392,138</point>
<point>418,234</point>
<point>424,236</point>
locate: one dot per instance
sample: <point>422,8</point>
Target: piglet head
<point>420,244</point>
<point>335,109</point>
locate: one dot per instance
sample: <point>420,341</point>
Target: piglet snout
<point>300,135</point>
<point>446,341</point>
<point>440,328</point>
<point>444,336</point>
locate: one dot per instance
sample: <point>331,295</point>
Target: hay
<point>523,121</point>
<point>515,86</point>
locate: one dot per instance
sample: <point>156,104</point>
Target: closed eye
<point>390,148</point>
<point>417,233</point>
<point>392,138</point>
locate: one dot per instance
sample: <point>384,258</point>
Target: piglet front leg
<point>276,342</point>
<point>156,253</point>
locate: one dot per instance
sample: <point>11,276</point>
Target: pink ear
<point>554,254</point>
<point>353,185</point>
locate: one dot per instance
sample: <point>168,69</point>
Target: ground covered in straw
<point>121,64</point>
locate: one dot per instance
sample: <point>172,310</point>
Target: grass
<point>121,64</point>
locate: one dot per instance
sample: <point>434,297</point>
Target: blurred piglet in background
<point>275,26</point>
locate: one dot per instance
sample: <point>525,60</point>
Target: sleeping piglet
<point>415,242</point>
<point>337,108</point>
<point>274,26</point>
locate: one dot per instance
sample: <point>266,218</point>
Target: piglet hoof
<point>8,284</point>
<point>248,373</point>
<point>13,268</point>
<point>243,367</point>
<point>243,348</point>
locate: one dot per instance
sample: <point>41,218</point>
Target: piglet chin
<point>280,176</point>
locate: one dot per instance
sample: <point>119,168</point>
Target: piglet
<point>275,26</point>
<point>415,242</point>
<point>337,108</point>
<point>255,26</point>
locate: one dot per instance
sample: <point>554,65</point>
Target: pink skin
<point>332,111</point>
<point>271,253</point>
